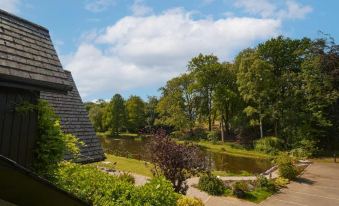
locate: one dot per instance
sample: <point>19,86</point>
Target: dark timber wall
<point>17,129</point>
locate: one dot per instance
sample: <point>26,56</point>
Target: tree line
<point>287,88</point>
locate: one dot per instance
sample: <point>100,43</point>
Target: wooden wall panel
<point>17,129</point>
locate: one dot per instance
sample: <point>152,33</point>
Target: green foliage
<point>126,177</point>
<point>286,167</point>
<point>99,188</point>
<point>135,114</point>
<point>189,201</point>
<point>281,182</point>
<point>52,144</point>
<point>213,136</point>
<point>176,107</point>
<point>264,183</point>
<point>269,145</point>
<point>96,113</point>
<point>211,184</point>
<point>116,114</point>
<point>157,192</point>
<point>240,185</point>
<point>305,148</point>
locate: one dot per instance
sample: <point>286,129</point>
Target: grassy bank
<point>127,165</point>
<point>229,148</point>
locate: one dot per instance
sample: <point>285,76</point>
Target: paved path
<point>318,186</point>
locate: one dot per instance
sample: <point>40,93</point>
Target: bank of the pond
<point>126,164</point>
<point>229,148</point>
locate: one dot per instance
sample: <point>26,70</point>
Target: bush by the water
<point>177,162</point>
<point>212,185</point>
<point>240,188</point>
<point>305,148</point>
<point>213,136</point>
<point>99,188</point>
<point>264,183</point>
<point>269,145</point>
<point>189,201</point>
<point>281,182</point>
<point>286,166</point>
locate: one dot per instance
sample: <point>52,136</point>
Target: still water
<point>138,148</point>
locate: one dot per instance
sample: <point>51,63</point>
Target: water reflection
<point>137,148</point>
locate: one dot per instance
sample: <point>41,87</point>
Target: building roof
<point>21,186</point>
<point>28,57</point>
<point>74,120</point>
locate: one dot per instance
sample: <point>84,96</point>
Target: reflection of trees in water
<point>138,149</point>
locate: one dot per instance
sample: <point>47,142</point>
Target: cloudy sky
<point>135,46</point>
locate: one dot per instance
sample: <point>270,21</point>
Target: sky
<point>133,47</point>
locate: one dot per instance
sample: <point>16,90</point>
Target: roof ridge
<point>7,14</point>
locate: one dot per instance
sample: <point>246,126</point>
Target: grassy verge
<point>127,165</point>
<point>258,195</point>
<point>229,148</point>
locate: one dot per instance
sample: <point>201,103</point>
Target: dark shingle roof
<point>74,120</point>
<point>27,55</point>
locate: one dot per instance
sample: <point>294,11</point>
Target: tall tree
<point>206,70</point>
<point>256,87</point>
<point>135,107</point>
<point>150,111</point>
<point>116,114</point>
<point>176,106</point>
<point>227,98</point>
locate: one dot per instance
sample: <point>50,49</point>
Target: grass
<point>229,148</point>
<point>258,195</point>
<point>127,165</point>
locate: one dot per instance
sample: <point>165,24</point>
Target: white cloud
<point>99,5</point>
<point>139,52</point>
<point>281,9</point>
<point>139,8</point>
<point>10,5</point>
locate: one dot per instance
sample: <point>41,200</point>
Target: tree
<point>177,162</point>
<point>116,114</point>
<point>205,69</point>
<point>227,98</point>
<point>96,115</point>
<point>177,104</point>
<point>135,113</point>
<point>256,86</point>
<point>150,111</point>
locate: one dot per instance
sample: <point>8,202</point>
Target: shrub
<point>264,183</point>
<point>177,162</point>
<point>241,185</point>
<point>126,177</point>
<point>286,167</point>
<point>305,148</point>
<point>101,189</point>
<point>157,192</point>
<point>189,201</point>
<point>211,184</point>
<point>213,136</point>
<point>269,145</point>
<point>281,182</point>
<point>52,144</point>
<point>240,188</point>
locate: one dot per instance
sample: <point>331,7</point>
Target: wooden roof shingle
<point>74,120</point>
<point>27,55</point>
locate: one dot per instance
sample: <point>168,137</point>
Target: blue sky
<point>135,46</point>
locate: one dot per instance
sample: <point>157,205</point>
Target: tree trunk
<point>222,129</point>
<point>261,130</point>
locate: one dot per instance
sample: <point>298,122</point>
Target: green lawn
<point>127,165</point>
<point>229,148</point>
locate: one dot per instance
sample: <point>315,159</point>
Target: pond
<point>137,148</point>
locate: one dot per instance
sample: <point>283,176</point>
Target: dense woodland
<point>286,88</point>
